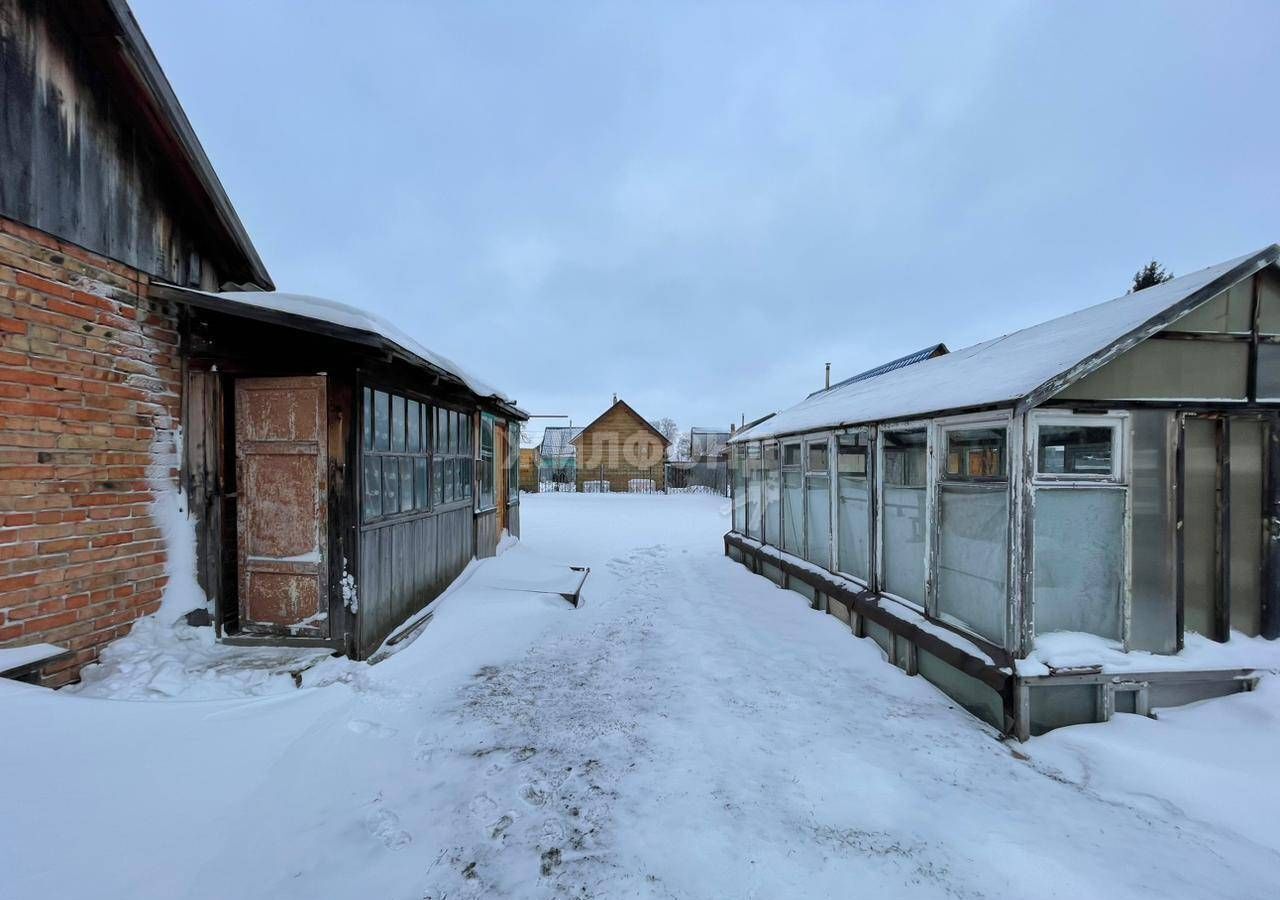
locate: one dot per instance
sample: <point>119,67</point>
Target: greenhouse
<point>1063,523</point>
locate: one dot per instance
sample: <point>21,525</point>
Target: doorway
<point>282,505</point>
<point>1226,511</point>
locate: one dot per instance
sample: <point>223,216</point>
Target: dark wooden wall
<point>79,161</point>
<point>487,533</point>
<point>406,565</point>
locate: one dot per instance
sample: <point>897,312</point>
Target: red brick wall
<point>89,394</point>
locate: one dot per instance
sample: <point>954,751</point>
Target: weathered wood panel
<point>406,564</point>
<point>81,161</point>
<point>281,457</point>
<point>487,533</point>
<point>202,425</point>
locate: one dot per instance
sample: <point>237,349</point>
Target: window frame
<point>868,434</point>
<point>930,489</point>
<point>825,439</point>
<point>1116,421</point>
<point>1120,479</point>
<point>513,461</point>
<point>477,476</point>
<point>784,443</point>
<point>368,436</point>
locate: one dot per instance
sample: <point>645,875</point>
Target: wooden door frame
<point>246,626</point>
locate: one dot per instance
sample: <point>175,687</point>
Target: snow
<point>1071,649</point>
<point>15,657</point>
<point>693,731</point>
<point>346,316</point>
<point>996,372</point>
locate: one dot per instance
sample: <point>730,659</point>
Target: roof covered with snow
<point>347,318</point>
<point>910,359</point>
<point>1009,369</point>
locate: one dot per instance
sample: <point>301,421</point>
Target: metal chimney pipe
<point>828,384</point>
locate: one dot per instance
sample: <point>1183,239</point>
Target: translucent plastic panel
<point>819,520</point>
<point>1247,442</point>
<point>853,533</point>
<point>1269,371</point>
<point>755,491</point>
<point>793,512</point>
<point>773,506</point>
<point>739,491</point>
<point>973,559</point>
<point>1079,560</point>
<point>904,524</point>
<point>1199,526</point>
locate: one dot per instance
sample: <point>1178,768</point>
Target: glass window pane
<point>973,559</point>
<point>903,524</point>
<point>371,482</point>
<point>390,485</point>
<point>468,476</point>
<point>755,490</point>
<point>368,419</point>
<point>904,457</point>
<point>450,480</point>
<point>793,512</point>
<point>381,420</point>
<point>437,480</point>
<point>851,454</point>
<point>976,453</point>
<point>464,423</point>
<point>442,431</point>
<point>818,517</point>
<point>1269,371</point>
<point>740,490</point>
<point>772,496</point>
<point>406,484</point>
<point>397,423</point>
<point>1079,560</point>
<point>426,429</point>
<point>1075,449</point>
<point>853,511</point>
<point>421,499</point>
<point>413,421</point>
<point>817,457</point>
<point>791,454</point>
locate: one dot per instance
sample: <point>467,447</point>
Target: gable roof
<point>557,441</point>
<point>1021,369</point>
<point>124,56</point>
<point>919,356</point>
<point>628,408</point>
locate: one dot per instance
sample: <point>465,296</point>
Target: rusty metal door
<point>282,507</point>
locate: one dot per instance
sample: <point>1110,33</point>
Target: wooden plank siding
<point>619,446</point>
<point>83,159</point>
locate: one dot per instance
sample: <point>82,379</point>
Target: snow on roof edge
<point>334,312</point>
<point>1004,370</point>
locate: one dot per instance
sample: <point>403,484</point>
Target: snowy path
<point>692,731</point>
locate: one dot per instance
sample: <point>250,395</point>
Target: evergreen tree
<point>1149,275</point>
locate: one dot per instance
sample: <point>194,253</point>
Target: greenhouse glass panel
<point>853,508</point>
<point>903,514</point>
<point>772,496</point>
<point>973,559</point>
<point>1079,560</point>
<point>755,491</point>
<point>818,517</point>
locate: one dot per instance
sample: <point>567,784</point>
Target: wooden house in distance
<point>620,452</point>
<point>1073,520</point>
<point>337,473</point>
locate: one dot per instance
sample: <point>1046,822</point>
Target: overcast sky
<point>697,205</point>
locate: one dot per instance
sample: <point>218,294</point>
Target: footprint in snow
<point>372,729</point>
<point>384,825</point>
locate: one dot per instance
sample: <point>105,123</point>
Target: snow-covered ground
<point>692,731</point>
